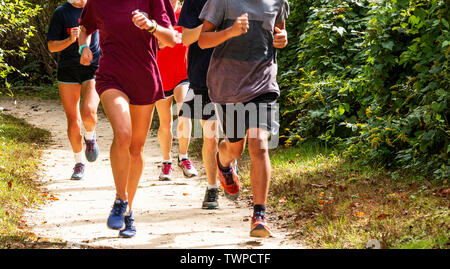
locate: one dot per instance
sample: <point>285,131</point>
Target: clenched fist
<point>240,25</point>
<point>280,38</point>
<point>74,33</point>
<point>86,56</point>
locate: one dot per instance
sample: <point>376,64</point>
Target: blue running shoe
<point>129,230</point>
<point>78,171</point>
<point>92,149</point>
<point>116,217</point>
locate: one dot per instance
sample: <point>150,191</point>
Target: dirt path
<point>168,214</point>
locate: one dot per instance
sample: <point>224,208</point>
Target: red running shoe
<point>166,173</point>
<point>229,181</point>
<point>259,226</point>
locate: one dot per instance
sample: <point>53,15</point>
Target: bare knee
<point>210,144</point>
<point>257,147</point>
<point>122,138</point>
<point>73,124</point>
<point>89,112</point>
<point>137,150</point>
<point>165,127</point>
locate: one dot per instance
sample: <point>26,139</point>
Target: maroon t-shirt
<point>128,61</point>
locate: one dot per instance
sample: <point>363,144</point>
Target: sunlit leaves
<point>15,16</point>
<point>381,81</point>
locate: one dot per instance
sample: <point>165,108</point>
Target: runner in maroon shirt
<point>129,83</point>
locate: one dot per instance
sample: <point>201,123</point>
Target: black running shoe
<point>211,197</point>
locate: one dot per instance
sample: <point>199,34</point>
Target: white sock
<point>78,157</point>
<point>213,186</point>
<point>168,161</point>
<point>183,156</point>
<point>89,135</point>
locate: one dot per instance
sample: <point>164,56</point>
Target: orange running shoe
<point>229,181</point>
<point>259,226</point>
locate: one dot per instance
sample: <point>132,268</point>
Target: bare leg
<point>117,109</point>
<point>184,127</point>
<point>141,118</point>
<point>260,165</point>
<point>228,152</point>
<point>209,149</point>
<point>70,97</point>
<point>165,135</point>
<point>89,105</point>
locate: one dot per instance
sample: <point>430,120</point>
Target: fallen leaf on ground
<point>360,214</point>
<point>54,198</point>
<point>342,188</point>
<point>383,216</point>
<point>445,191</point>
<point>324,202</point>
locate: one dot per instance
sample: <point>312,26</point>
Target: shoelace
<point>258,216</point>
<point>166,168</point>
<point>118,208</point>
<point>78,168</point>
<point>129,221</point>
<point>90,145</point>
<point>187,164</point>
<point>211,195</point>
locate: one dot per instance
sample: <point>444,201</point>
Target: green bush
<point>372,77</point>
<point>24,57</point>
<point>15,17</point>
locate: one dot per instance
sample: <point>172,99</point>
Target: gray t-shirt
<point>244,67</point>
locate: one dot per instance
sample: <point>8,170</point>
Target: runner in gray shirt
<point>244,67</point>
<point>243,70</point>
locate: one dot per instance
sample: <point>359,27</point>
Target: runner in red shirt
<point>172,63</point>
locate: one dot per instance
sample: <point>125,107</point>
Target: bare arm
<point>60,45</point>
<point>209,38</point>
<point>165,36</point>
<point>191,36</point>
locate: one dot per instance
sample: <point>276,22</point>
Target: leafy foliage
<point>15,17</point>
<point>373,77</point>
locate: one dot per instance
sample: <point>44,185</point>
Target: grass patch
<point>20,151</point>
<point>329,203</point>
<point>46,92</point>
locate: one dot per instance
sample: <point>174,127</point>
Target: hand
<point>74,33</point>
<point>179,37</point>
<point>280,38</point>
<point>86,56</point>
<point>240,26</point>
<point>141,21</point>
